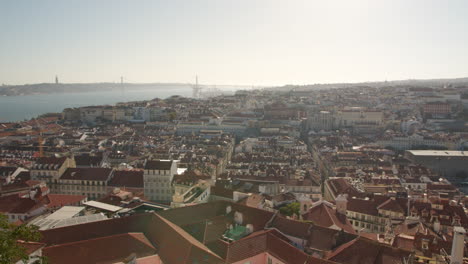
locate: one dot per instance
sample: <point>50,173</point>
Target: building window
<point>425,245</point>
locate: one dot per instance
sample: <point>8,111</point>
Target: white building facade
<point>157,179</point>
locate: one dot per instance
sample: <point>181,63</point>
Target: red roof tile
<point>14,204</point>
<point>326,216</point>
<point>59,200</point>
<point>370,252</point>
<point>86,174</point>
<point>268,241</point>
<point>391,205</point>
<point>131,179</point>
<point>103,249</point>
<point>158,165</point>
<point>173,243</point>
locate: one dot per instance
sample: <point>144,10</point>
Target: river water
<point>18,108</point>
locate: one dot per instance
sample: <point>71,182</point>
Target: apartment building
<point>91,182</point>
<point>49,170</point>
<point>157,179</point>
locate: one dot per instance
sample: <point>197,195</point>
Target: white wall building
<point>157,179</point>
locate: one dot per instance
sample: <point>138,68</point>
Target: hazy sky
<point>260,42</point>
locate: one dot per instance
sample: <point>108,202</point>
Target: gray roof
<point>158,164</point>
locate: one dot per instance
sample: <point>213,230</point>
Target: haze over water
<point>18,108</point>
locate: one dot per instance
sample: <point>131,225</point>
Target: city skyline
<point>229,132</point>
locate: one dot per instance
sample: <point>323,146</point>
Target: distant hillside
<point>47,88</point>
<point>455,82</point>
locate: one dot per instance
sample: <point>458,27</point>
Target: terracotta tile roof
<point>326,239</point>
<point>403,242</point>
<point>362,206</point>
<point>16,186</point>
<point>198,213</point>
<point>326,216</point>
<point>268,241</point>
<point>435,244</point>
<point>247,247</point>
<point>371,236</point>
<point>391,205</point>
<point>177,246</point>
<point>222,192</point>
<point>291,227</point>
<point>87,160</point>
<point>191,218</point>
<point>284,250</point>
<point>438,186</point>
<point>411,227</point>
<point>31,246</point>
<point>197,230</point>
<point>173,243</point>
<point>86,174</point>
<point>342,186</point>
<point>14,204</point>
<point>178,235</point>
<point>211,229</point>
<point>448,210</point>
<point>103,249</point>
<point>370,252</point>
<point>59,200</point>
<point>132,179</point>
<point>194,214</point>
<point>158,165</point>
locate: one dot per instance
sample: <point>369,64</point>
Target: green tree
<point>290,209</point>
<point>10,250</point>
<point>172,116</point>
